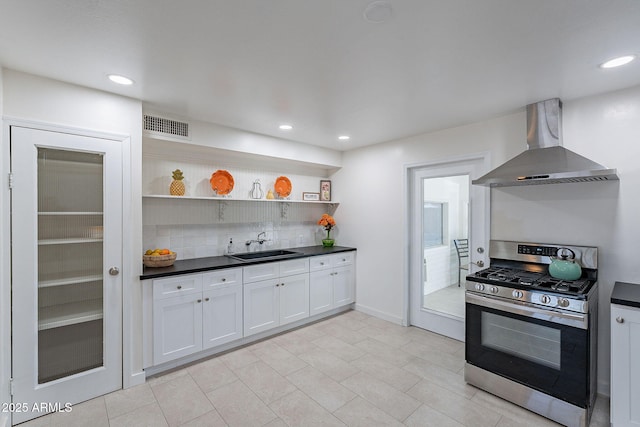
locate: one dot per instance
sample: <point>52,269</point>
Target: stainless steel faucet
<point>257,240</point>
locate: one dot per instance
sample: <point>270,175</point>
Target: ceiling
<point>321,65</point>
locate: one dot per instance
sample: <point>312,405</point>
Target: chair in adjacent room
<point>462,248</point>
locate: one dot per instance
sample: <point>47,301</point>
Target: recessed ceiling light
<point>285,127</point>
<point>344,137</point>
<point>121,80</point>
<point>378,12</point>
<point>617,62</point>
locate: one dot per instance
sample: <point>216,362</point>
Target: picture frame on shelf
<point>325,190</point>
<point>310,196</point>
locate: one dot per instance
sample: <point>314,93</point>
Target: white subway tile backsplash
<point>177,242</point>
<point>185,253</point>
<point>162,242</point>
<point>205,240</point>
<point>163,230</point>
<point>206,251</point>
<point>198,228</point>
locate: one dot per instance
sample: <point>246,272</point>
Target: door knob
<point>480,250</point>
<point>480,263</point>
<point>114,271</point>
<point>619,319</point>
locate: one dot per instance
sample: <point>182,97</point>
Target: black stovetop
<point>531,280</point>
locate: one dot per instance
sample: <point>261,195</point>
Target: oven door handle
<point>577,320</point>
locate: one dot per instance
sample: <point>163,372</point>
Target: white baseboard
<point>379,314</point>
<point>4,420</point>
<point>136,379</point>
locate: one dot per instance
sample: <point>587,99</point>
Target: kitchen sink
<point>266,255</point>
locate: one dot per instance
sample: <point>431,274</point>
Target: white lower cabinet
<point>221,316</point>
<point>625,369</point>
<point>280,299</point>
<point>332,283</point>
<point>261,311</point>
<point>195,312</point>
<point>177,327</point>
<point>294,298</point>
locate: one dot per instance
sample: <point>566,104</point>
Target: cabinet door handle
<point>277,284</point>
<point>206,299</point>
<point>322,263</point>
<point>620,319</point>
<point>281,284</point>
<point>179,286</point>
<point>224,279</point>
<point>199,300</point>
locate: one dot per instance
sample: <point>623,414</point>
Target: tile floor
<point>352,369</point>
<point>449,300</point>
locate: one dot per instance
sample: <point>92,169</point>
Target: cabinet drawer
<point>178,285</point>
<point>221,278</point>
<point>258,272</point>
<point>343,258</point>
<point>318,263</point>
<point>294,266</point>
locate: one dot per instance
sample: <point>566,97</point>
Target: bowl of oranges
<point>158,258</point>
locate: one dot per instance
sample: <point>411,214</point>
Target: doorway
<point>448,233</point>
<point>445,220</point>
<point>66,259</point>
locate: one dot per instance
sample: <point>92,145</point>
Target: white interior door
<point>66,223</point>
<point>444,206</point>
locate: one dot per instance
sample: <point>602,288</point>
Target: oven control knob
<point>493,289</point>
<point>545,299</point>
<point>563,302</point>
<point>517,294</point>
<point>479,287</point>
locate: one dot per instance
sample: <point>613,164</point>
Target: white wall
<point>372,214</point>
<point>604,128</point>
<point>39,100</point>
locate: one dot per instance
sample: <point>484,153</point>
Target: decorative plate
<point>221,182</point>
<point>282,186</point>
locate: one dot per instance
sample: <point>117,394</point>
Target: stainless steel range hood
<point>546,161</point>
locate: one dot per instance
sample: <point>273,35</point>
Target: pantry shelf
<point>69,281</point>
<point>69,314</point>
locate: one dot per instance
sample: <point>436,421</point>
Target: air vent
<point>167,127</point>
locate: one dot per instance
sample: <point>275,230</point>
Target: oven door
<point>544,349</point>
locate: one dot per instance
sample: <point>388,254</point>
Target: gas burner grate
<point>529,279</point>
<point>507,275</point>
<point>572,286</point>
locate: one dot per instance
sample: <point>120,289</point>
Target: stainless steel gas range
<point>531,337</point>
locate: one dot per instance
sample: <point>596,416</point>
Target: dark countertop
<point>197,265</point>
<point>626,294</point>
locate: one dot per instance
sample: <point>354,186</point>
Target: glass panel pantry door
<point>67,239</point>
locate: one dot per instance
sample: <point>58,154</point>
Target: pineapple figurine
<point>177,186</point>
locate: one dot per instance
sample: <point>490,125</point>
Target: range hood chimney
<point>546,161</point>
